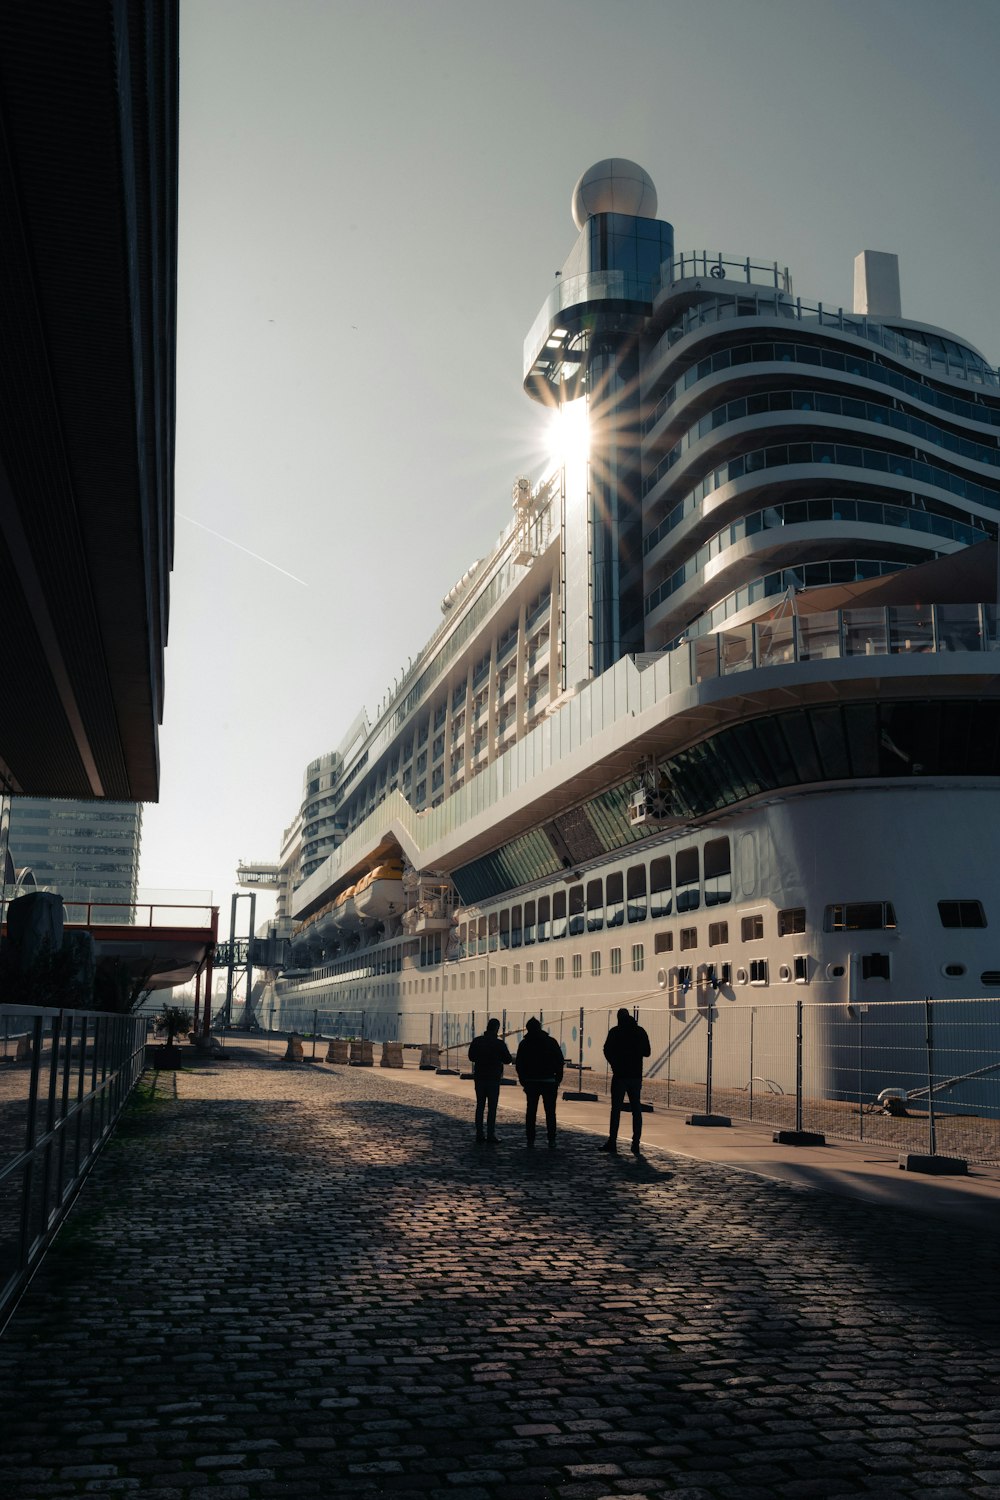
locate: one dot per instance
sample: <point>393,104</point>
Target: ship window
<point>752,928</point>
<point>595,905</point>
<point>874,966</point>
<point>801,968</point>
<point>543,971</point>
<point>954,971</point>
<point>663,942</point>
<point>688,881</point>
<point>559,914</point>
<point>791,921</point>
<point>689,938</point>
<point>577,965</point>
<point>962,914</point>
<point>505,930</point>
<point>576,918</point>
<point>616,904</point>
<point>636,893</point>
<point>638,958</point>
<point>616,960</point>
<point>595,965</point>
<point>462,984</point>
<point>544,920</point>
<point>860,916</point>
<point>529,923</point>
<point>718,934</point>
<point>481,941</point>
<point>660,887</point>
<point>503,974</point>
<point>529,973</point>
<point>718,873</point>
<point>517,973</point>
<point>472,979</point>
<point>560,968</point>
<point>515,927</point>
<point>758,971</point>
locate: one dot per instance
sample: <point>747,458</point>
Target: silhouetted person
<point>539,1064</point>
<point>487,1054</point>
<point>626,1046</point>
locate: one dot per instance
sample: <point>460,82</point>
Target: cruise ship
<point>716,722</point>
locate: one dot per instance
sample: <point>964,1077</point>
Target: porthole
<point>784,973</point>
<point>953,971</point>
<point>835,971</point>
<point>741,976</point>
<point>990,976</point>
<point>661,978</point>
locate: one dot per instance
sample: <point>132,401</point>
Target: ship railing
<point>954,364</point>
<point>886,630</point>
<point>722,266</point>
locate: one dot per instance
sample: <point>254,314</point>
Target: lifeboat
<point>345,913</point>
<point>378,896</point>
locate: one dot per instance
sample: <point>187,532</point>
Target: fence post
<point>579,1066</point>
<point>798,1136</point>
<point>753,1012</point>
<point>861,1075</point>
<point>938,1166</point>
<point>798,1065</point>
<point>579,1093</point>
<point>708,1118</point>
<point>931,1130</point>
<point>670,1052</point>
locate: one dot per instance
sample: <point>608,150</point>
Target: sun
<point>569,433</point>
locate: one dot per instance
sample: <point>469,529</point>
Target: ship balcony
<point>881,630</point>
<point>534,620</point>
<point>716,307</point>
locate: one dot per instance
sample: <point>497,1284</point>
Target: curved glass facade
<point>788,351</point>
<point>845,512</point>
<point>842,742</point>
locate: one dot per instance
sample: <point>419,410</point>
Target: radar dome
<point>614,186</point>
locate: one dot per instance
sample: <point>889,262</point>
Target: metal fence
<point>64,1078</point>
<point>913,1076</point>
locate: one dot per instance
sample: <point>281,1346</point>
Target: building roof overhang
<point>88,246</point>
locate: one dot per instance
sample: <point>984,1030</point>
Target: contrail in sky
<point>256,555</point>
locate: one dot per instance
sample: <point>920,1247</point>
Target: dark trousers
<point>487,1094</point>
<point>548,1093</point>
<point>620,1088</point>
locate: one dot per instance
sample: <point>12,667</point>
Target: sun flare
<point>569,433</point>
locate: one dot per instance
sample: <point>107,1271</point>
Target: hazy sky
<point>374,198</point>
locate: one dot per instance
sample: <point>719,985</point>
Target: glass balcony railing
<point>841,512</point>
<point>845,455</point>
<point>823,403</point>
<point>952,360</point>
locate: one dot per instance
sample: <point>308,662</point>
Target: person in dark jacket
<point>488,1054</point>
<point>626,1046</point>
<point>539,1064</point>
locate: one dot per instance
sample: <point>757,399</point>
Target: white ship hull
<point>903,848</point>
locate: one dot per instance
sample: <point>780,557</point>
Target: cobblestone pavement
<point>285,1281</point>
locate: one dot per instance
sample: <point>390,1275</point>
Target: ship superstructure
<point>718,718</point>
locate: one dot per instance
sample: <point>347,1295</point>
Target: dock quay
<point>303,1278</point>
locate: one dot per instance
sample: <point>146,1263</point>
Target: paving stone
<point>351,1300</point>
